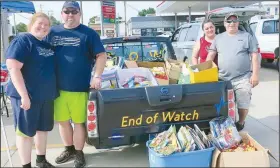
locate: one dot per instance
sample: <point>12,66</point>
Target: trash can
<point>199,158</point>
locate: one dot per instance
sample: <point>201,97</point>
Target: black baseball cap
<point>71,4</point>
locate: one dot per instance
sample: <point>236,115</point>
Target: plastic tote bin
<point>199,158</point>
<point>208,72</point>
<point>123,74</point>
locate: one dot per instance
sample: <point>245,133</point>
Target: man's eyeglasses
<point>74,12</point>
<point>232,21</point>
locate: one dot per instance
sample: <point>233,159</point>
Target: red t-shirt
<point>203,52</point>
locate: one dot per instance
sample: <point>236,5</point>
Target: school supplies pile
<point>159,72</point>
<point>224,134</point>
<point>136,81</point>
<point>243,147</point>
<point>135,77</point>
<point>186,140</point>
<point>108,77</point>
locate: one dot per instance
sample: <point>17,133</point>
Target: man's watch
<point>97,77</point>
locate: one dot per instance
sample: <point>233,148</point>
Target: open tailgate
<point>244,13</point>
<point>135,111</point>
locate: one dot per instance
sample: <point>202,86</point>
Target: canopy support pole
<point>15,25</point>
<point>176,21</point>
<point>190,15</point>
<point>4,35</point>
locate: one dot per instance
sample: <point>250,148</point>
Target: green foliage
<point>144,12</point>
<point>54,21</point>
<point>92,20</point>
<point>21,27</point>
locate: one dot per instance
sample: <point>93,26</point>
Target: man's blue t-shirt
<point>38,68</point>
<point>75,51</point>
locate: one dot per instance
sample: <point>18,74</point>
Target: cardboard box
<point>257,158</point>
<point>174,69</point>
<point>208,72</point>
<point>130,64</point>
<point>155,64</point>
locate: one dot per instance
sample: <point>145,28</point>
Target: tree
<point>54,21</point>
<point>144,12</point>
<point>21,27</point>
<point>92,20</point>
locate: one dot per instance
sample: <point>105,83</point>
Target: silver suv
<point>184,38</point>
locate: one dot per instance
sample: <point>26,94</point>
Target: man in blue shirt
<point>77,48</point>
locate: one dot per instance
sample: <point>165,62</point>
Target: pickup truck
<point>267,34</point>
<point>124,116</point>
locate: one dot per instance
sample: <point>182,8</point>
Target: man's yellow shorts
<point>71,105</point>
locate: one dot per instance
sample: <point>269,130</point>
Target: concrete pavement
<point>262,124</point>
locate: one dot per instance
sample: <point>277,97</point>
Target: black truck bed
<point>124,115</point>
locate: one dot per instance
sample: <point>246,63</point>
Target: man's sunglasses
<point>232,21</point>
<point>74,12</point>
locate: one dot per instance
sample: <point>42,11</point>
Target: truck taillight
<point>231,104</point>
<point>91,106</point>
<point>91,126</point>
<point>92,119</point>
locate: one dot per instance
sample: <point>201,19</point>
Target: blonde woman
<point>32,89</point>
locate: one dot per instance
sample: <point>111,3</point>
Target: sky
<point>90,8</point>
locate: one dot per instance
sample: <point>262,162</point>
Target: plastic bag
<point>224,133</point>
<point>186,139</point>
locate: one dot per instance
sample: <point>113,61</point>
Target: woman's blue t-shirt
<point>38,68</point>
<point>75,51</point>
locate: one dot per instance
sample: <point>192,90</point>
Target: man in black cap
<point>77,47</point>
<point>238,62</point>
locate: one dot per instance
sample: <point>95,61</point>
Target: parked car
<point>186,35</point>
<point>124,116</point>
<point>267,33</point>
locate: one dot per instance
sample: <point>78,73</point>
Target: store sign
<point>108,9</point>
<point>110,33</point>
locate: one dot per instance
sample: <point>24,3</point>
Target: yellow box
<point>208,72</point>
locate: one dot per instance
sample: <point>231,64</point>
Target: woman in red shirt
<point>201,47</point>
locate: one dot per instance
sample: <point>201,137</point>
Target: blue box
<point>199,158</point>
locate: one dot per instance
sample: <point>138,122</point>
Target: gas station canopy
<point>17,7</point>
<point>8,7</point>
<point>198,6</point>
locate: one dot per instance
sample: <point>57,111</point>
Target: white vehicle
<point>186,35</point>
<point>164,34</point>
<point>103,37</point>
<point>267,33</point>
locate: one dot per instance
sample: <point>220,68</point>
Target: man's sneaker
<point>65,156</point>
<point>239,126</point>
<point>44,164</point>
<point>80,159</point>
